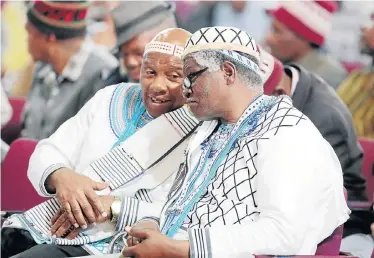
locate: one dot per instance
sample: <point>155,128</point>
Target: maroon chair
<point>305,256</point>
<point>17,193</point>
<point>368,166</point>
<point>12,129</point>
<point>352,66</point>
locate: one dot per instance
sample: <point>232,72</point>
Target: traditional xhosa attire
<point>267,184</point>
<point>111,139</point>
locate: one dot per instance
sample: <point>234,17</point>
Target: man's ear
<point>229,72</point>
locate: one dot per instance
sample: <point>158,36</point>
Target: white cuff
<point>46,174</point>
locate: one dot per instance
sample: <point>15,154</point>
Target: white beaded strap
<point>163,47</point>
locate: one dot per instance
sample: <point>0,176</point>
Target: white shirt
<point>279,192</point>
<point>294,78</point>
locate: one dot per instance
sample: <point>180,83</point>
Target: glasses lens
<point>186,83</point>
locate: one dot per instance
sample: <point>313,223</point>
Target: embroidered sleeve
<point>134,210</point>
<point>199,243</point>
<point>128,214</point>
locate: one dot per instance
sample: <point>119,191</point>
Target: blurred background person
<point>100,24</point>
<point>245,15</point>
<point>298,31</point>
<point>136,24</point>
<point>70,67</point>
<point>357,91</point>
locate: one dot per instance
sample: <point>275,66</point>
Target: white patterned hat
<point>229,41</point>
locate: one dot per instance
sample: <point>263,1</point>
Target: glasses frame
<point>190,79</point>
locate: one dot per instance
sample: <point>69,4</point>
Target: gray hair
<point>214,61</point>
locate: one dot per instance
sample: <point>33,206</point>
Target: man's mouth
<point>159,101</point>
<point>189,101</point>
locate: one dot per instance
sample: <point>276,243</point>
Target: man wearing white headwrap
<point>258,177</point>
<point>130,136</point>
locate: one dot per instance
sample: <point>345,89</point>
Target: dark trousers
<point>18,243</point>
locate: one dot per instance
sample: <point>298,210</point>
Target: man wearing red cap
<point>298,31</point>
<point>70,68</point>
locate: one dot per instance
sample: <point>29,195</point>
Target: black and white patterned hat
<point>229,41</point>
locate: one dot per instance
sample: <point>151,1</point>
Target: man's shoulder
<point>330,65</point>
<point>283,119</point>
<point>324,106</point>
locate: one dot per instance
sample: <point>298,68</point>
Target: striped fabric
<point>182,120</point>
<point>199,240</point>
<point>38,221</point>
<point>128,214</point>
<point>117,167</point>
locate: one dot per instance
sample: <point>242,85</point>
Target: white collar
<point>294,78</point>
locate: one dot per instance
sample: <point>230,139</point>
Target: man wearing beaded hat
<point>70,68</point>
<point>254,179</point>
<point>132,136</point>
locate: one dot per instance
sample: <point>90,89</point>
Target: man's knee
<point>40,251</point>
<point>14,241</point>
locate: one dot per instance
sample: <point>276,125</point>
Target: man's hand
<point>76,194</point>
<point>141,226</point>
<point>155,245</point>
<point>62,227</point>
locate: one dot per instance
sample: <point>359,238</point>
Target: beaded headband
<point>164,47</point>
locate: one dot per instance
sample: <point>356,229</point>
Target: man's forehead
<point>157,58</point>
<point>189,62</point>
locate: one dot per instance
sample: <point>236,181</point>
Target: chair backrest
<point>17,106</point>
<point>368,166</point>
<point>17,193</point>
<point>331,245</point>
<point>13,128</point>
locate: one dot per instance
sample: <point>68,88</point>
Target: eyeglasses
<point>191,78</point>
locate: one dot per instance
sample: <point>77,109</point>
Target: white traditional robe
<point>279,191</point>
<point>84,144</point>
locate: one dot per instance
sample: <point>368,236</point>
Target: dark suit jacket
<point>318,101</point>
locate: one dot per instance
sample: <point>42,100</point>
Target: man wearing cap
<point>69,66</point>
<point>297,33</point>
<point>126,144</point>
<point>254,179</point>
<point>136,24</point>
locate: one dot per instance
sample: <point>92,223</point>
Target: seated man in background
<point>322,105</point>
<point>69,67</point>
<point>298,31</point>
<point>258,178</point>
<point>357,91</point>
<point>136,24</point>
<point>132,136</point>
